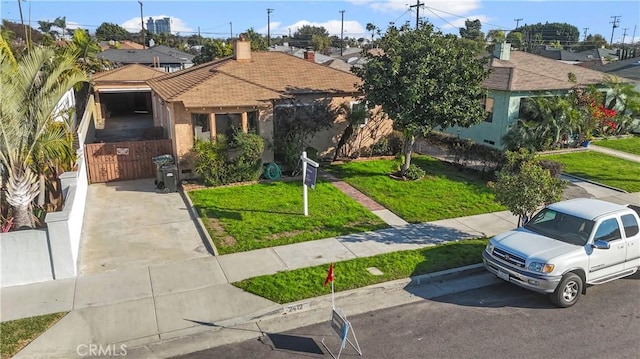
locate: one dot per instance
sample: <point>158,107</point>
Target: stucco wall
<point>25,258</point>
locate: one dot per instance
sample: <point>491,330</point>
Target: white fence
<point>50,253</point>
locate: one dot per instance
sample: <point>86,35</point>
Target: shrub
<point>555,168</point>
<point>389,145</point>
<point>229,160</point>
<point>414,172</point>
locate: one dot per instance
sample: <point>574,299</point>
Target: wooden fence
<point>119,161</point>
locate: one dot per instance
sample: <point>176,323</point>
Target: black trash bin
<point>169,178</point>
<point>161,161</point>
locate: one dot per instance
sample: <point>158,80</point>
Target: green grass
<point>294,285</point>
<point>446,191</point>
<point>629,144</point>
<point>598,167</point>
<point>243,218</point>
<point>16,334</point>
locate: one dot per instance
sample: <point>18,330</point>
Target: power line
<point>465,17</point>
<point>417,6</point>
<point>441,18</point>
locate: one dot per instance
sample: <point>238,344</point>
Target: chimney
<point>502,50</point>
<point>310,56</point>
<point>242,50</point>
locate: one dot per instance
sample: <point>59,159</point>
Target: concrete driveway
<point>132,224</point>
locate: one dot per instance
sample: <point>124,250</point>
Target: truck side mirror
<point>600,244</point>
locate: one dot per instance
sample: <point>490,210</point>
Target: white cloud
<point>351,28</point>
<point>177,25</point>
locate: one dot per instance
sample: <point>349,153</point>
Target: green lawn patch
<point>298,284</point>
<point>629,144</point>
<point>446,191</point>
<point>16,334</point>
<point>243,218</point>
<point>598,167</point>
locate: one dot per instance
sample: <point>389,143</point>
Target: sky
<point>220,19</point>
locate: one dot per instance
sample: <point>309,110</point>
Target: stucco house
<point>163,57</point>
<point>516,75</point>
<point>245,91</point>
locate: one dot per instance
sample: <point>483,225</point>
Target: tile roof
<point>165,54</point>
<point>128,73</point>
<point>268,76</point>
<point>528,72</point>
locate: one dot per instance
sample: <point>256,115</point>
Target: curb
<point>282,310</point>
<point>289,316</point>
<point>202,230</point>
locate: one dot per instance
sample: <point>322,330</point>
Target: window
<point>359,109</point>
<point>201,127</point>
<point>608,231</point>
<point>227,122</point>
<point>488,107</point>
<point>630,225</point>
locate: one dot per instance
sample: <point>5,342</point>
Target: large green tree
<point>110,31</point>
<point>592,42</point>
<point>424,80</point>
<point>212,50</point>
<point>30,139</point>
<point>540,33</point>
<point>258,42</point>
<point>316,37</point>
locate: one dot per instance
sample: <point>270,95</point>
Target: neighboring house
<point>587,57</point>
<point>166,58</point>
<point>516,75</point>
<point>248,90</point>
<point>121,45</point>
<point>629,69</point>
<point>123,91</point>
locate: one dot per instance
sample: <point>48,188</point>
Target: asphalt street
<point>498,321</point>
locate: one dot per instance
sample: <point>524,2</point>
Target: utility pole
<point>624,35</point>
<point>633,37</point>
<point>231,30</point>
<point>341,32</point>
<point>417,6</point>
<point>142,24</point>
<point>585,33</point>
<point>616,23</point>
<point>518,21</point>
<point>269,11</point>
<point>199,37</point>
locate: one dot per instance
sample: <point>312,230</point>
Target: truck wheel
<point>568,291</point>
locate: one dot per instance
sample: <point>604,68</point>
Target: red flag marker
<point>329,275</point>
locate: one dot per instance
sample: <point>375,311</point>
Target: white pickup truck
<point>566,246</point>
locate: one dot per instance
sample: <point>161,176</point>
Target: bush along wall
<point>229,160</point>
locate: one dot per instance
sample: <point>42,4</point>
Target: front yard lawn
<point>299,284</point>
<point>629,144</point>
<point>16,334</point>
<point>243,218</point>
<point>598,167</point>
<point>446,191</point>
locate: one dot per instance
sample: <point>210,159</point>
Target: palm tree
<point>29,138</point>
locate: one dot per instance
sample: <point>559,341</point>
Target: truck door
<point>631,229</point>
<point>605,262</point>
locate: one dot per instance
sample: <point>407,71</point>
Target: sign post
<point>309,173</point>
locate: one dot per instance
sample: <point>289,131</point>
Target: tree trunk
<point>22,188</point>
<point>406,151</point>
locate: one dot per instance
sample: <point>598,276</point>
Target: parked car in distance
<point>567,246</point>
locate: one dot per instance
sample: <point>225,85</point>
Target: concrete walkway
<point>620,154</point>
<point>156,304</point>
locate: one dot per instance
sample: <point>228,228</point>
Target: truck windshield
<point>561,226</point>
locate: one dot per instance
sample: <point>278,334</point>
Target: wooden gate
<point>119,161</point>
